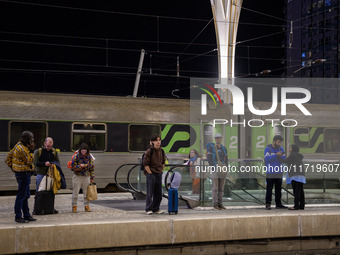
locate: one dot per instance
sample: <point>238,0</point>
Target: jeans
<point>278,184</point>
<point>80,182</point>
<point>21,201</point>
<point>153,192</point>
<point>38,181</point>
<point>217,190</point>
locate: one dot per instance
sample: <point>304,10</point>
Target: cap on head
<point>218,135</point>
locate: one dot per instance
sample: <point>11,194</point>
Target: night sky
<point>94,47</point>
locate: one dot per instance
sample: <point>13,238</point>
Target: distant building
<point>315,38</point>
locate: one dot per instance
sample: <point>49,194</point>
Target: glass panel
<point>139,136</point>
<point>332,140</point>
<point>94,141</point>
<point>89,126</point>
<point>37,128</point>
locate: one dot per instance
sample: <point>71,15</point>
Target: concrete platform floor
<point>118,221</point>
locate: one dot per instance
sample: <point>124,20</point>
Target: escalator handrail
<point>129,183</point>
<point>239,186</point>
<point>116,174</point>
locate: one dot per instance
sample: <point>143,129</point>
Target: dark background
<point>94,47</point>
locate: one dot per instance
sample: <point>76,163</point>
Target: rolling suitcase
<point>175,181</point>
<point>173,201</point>
<point>44,201</point>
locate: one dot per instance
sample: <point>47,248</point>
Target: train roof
<point>96,108</point>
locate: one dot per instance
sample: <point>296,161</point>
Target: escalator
<point>129,178</point>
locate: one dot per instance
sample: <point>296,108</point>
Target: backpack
<point>175,180</point>
<point>69,164</point>
<point>142,167</point>
<point>54,151</point>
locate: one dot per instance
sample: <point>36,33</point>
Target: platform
<point>117,221</point>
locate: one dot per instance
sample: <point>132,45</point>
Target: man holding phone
<point>20,160</point>
<point>273,156</point>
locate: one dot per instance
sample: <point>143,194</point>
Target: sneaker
<point>268,207</point>
<point>21,220</point>
<point>74,209</point>
<point>149,212</point>
<point>54,211</point>
<point>281,207</point>
<point>159,212</point>
<point>216,207</point>
<point>87,208</point>
<point>222,207</point>
<point>30,218</point>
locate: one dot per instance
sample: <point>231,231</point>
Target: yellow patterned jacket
<point>20,159</point>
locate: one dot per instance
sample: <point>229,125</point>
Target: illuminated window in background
<point>139,136</point>
<point>328,3</point>
<point>332,140</point>
<point>303,55</point>
<point>37,128</point>
<point>93,134</point>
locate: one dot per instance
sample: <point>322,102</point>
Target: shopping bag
<point>91,192</point>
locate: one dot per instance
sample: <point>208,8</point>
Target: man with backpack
<point>273,156</point>
<point>153,162</point>
<point>43,158</point>
<point>217,155</point>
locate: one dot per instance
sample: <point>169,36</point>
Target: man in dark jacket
<point>43,158</point>
<point>153,162</point>
<point>296,176</point>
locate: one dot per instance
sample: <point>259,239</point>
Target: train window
<point>332,140</point>
<point>301,137</point>
<point>139,136</point>
<point>37,128</point>
<point>93,134</point>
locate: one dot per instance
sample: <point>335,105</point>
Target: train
<point>117,129</point>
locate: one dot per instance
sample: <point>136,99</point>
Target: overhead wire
<point>102,11</point>
<point>153,16</point>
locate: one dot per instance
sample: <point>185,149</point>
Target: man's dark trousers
<point>21,201</point>
<point>278,184</point>
<point>153,191</point>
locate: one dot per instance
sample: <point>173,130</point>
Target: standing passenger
<point>153,162</point>
<point>43,158</point>
<point>194,160</point>
<point>83,169</point>
<point>273,156</point>
<point>217,156</point>
<point>20,160</point>
<point>296,176</point>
